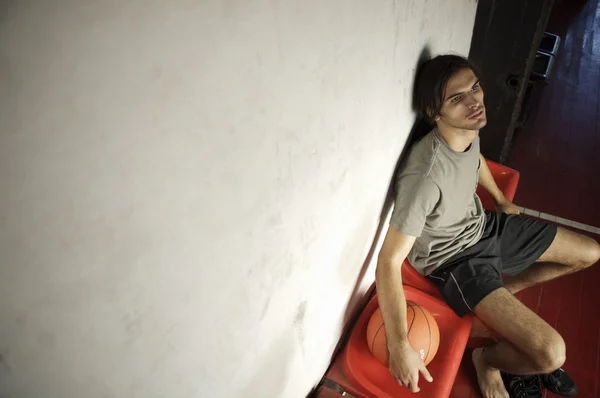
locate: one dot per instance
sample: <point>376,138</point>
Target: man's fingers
<point>426,374</point>
<point>414,382</point>
<point>404,382</point>
<point>414,387</point>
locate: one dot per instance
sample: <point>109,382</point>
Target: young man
<point>439,224</point>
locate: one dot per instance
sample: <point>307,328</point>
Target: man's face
<point>463,102</point>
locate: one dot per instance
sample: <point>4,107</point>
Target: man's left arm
<point>486,180</point>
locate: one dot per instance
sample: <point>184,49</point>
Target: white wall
<point>189,188</point>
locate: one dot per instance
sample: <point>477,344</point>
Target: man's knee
<point>590,254</point>
<point>550,354</point>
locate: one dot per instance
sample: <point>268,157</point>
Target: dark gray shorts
<point>509,245</point>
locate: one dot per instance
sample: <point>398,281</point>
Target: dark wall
<point>506,36</point>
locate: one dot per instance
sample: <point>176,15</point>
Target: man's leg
<point>568,253</point>
<point>531,346</point>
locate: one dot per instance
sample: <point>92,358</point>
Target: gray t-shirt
<point>436,201</point>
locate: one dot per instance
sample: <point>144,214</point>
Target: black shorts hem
<point>542,243</point>
<point>476,298</point>
<point>461,299</point>
<point>465,285</point>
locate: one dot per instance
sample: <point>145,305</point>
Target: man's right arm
<point>405,363</point>
<point>392,302</point>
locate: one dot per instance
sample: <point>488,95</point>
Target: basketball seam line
<point>382,324</point>
<point>461,293</point>
<point>428,327</point>
<point>376,333</point>
<point>411,322</point>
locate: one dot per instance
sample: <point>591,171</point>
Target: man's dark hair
<point>431,80</point>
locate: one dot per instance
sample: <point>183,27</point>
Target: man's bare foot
<point>490,380</point>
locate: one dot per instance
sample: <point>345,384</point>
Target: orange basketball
<point>423,334</point>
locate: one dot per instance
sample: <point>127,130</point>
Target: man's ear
<point>432,115</point>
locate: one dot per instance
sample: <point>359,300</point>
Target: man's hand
<point>505,206</point>
<point>405,365</point>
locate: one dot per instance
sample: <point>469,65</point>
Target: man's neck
<point>457,139</point>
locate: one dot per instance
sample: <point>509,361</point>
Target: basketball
<point>423,334</point>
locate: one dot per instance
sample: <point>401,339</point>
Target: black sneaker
<point>523,386</point>
<point>559,383</point>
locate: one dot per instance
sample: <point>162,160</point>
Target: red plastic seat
<point>507,180</point>
<point>365,375</point>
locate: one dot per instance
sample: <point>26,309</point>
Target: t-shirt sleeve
<point>416,198</point>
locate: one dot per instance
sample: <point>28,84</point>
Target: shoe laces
<point>526,386</point>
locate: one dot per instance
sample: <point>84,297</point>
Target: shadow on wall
<point>357,300</point>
